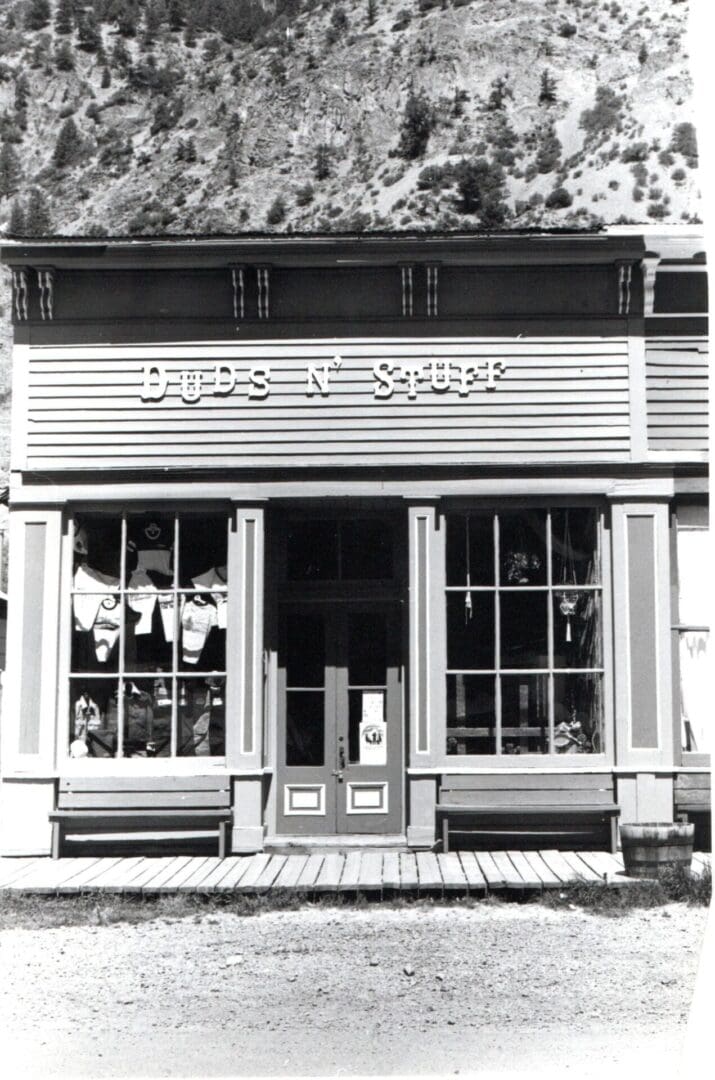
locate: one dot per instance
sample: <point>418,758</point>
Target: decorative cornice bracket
<point>20,292</point>
<point>46,283</point>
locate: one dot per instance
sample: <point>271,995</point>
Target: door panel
<point>340,719</point>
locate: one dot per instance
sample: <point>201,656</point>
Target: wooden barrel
<point>651,847</point>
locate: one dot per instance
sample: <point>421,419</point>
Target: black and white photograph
<point>355,565</point>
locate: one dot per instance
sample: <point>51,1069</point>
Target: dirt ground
<point>373,990</point>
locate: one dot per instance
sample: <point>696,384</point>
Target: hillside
<point>215,116</point>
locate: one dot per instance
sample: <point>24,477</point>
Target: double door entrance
<point>340,752</point>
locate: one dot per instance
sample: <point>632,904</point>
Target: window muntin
<point>524,632</point>
<point>694,592</point>
<point>148,640</point>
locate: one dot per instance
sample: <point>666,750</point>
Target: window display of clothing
<point>92,582</point>
<point>141,597</point>
<point>216,576</point>
<point>87,716</point>
<point>153,543</point>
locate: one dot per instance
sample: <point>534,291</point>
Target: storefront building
<point>338,517</point>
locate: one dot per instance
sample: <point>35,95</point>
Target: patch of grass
<point>672,885</point>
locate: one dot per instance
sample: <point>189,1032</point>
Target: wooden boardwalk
<point>370,872</point>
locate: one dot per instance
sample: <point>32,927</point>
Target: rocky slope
<point>362,115</point>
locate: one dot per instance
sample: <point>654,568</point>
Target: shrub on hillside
<point>276,211</point>
<point>417,125</point>
<point>567,30</point>
<point>481,190</point>
<point>657,211</point>
<point>683,141</point>
<point>548,156</point>
<point>547,89</point>
<point>338,25</point>
<point>604,115</point>
<point>558,199</point>
<point>64,57</point>
<point>68,146</point>
<point>37,14</point>
<point>679,175</point>
<point>435,177</point>
<point>304,195</point>
<point>635,152</point>
<point>322,167</point>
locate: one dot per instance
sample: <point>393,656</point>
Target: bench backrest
<point>550,789</point>
<point>692,790</point>
<point>139,793</point>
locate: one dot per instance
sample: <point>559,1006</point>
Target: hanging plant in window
<point>568,600</point>
<point>520,562</point>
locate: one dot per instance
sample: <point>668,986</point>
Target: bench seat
<point>691,795</point>
<point>466,802</point>
<point>133,807</point>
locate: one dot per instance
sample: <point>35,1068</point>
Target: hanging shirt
<point>106,627</point>
<point>153,544</point>
<point>216,576</point>
<point>86,607</point>
<point>87,716</point>
<point>142,602</point>
<point>197,619</point>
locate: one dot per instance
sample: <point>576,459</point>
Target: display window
<point>149,606</point>
<point>694,593</point>
<point>524,632</point>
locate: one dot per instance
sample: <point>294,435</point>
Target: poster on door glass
<point>373,729</point>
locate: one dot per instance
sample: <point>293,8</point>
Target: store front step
<point>316,845</point>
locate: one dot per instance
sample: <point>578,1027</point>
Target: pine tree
<point>38,14</point>
<point>37,214</point>
<point>65,17</point>
<point>16,225</point>
<point>89,36</point>
<point>547,89</point>
<point>22,93</point>
<point>64,57</point>
<point>321,169</point>
<point>417,124</point>
<point>120,56</point>
<point>67,146</point>
<point>106,78</point>
<point>371,11</point>
<point>9,169</point>
<point>177,15</point>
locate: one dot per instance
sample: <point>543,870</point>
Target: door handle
<point>341,757</point>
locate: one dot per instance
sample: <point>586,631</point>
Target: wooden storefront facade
<point>337,518</point>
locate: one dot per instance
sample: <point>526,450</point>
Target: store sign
<point>388,378</point>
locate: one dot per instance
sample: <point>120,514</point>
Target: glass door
<point>339,719</point>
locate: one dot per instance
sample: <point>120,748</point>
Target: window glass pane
<point>471,714</point>
<point>577,630</point>
<point>470,549</point>
<point>695,691</point>
<point>97,546</point>
<point>305,727</point>
<point>150,549</point>
<point>525,714</point>
<point>150,628</point>
<point>574,547</point>
<point>522,547</point>
<point>367,648</point>
<point>312,551</point>
<point>139,737</point>
<point>694,576</point>
<point>366,550</point>
<point>304,648</point>
<point>524,642</point>
<point>93,718</point>
<point>578,714</point>
<point>201,717</point>
<point>95,633</point>
<point>470,630</point>
<point>203,553</point>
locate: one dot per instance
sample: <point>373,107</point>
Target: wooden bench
<point>467,803</point>
<point>143,807</point>
<point>691,795</point>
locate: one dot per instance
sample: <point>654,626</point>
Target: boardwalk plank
<point>237,867</point>
<point>409,878</point>
<point>549,879</point>
<point>475,878</point>
<point>428,871</point>
<point>268,875</point>
<point>292,868</point>
<point>310,872</point>
<point>450,868</point>
<point>148,872</point>
<point>182,870</point>
<point>200,872</point>
<point>370,872</point>
<point>43,875</point>
<point>492,874</point>
<point>563,872</point>
<point>582,868</point>
<point>249,881</point>
<point>512,877</point>
<point>601,865</point>
<point>162,882</point>
<point>329,877</point>
<point>351,872</point>
<point>13,869</point>
<point>113,876</point>
<point>391,870</point>
<point>84,881</point>
<point>529,875</point>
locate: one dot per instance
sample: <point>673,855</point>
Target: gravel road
<point>319,991</point>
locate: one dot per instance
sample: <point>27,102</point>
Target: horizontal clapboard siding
<point>555,400</point>
<point>677,395</point>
